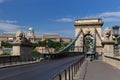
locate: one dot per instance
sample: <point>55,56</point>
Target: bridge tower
<point>88,27</point>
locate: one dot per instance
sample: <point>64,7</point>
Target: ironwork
<point>115,33</point>
<point>94,42</point>
<point>70,46</point>
<point>68,72</point>
<point>115,30</point>
<point>47,48</point>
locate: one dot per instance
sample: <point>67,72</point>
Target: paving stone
<point>97,70</point>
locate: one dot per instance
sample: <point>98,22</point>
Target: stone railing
<point>112,60</point>
<point>69,72</point>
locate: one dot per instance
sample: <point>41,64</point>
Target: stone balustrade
<point>112,60</point>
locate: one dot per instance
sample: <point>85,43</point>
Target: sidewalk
<point>97,70</point>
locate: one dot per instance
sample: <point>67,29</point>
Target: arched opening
<point>88,45</point>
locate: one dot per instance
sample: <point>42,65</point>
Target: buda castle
<point>10,37</point>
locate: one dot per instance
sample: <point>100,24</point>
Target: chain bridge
<point>89,56</point>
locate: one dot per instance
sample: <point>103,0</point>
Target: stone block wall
<point>112,60</point>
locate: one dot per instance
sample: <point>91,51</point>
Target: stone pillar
<point>22,46</point>
<point>88,26</point>
<point>20,49</point>
<point>108,48</point>
<point>108,42</point>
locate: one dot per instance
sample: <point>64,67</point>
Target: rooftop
<point>31,29</point>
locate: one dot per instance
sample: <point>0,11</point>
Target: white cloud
<point>64,20</point>
<point>110,14</point>
<point>107,16</point>
<point>111,19</point>
<point>2,1</point>
<point>8,21</point>
<point>9,27</point>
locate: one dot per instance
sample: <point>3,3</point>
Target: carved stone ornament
<point>107,34</point>
<point>20,37</point>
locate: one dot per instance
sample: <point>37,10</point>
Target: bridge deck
<point>98,70</point>
<point>37,71</point>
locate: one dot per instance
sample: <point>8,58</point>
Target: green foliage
<point>88,42</point>
<point>118,39</point>
<point>41,43</point>
<point>4,54</point>
<point>35,53</point>
<point>34,45</point>
<point>57,45</point>
<point>6,44</point>
<point>63,45</point>
<point>51,44</point>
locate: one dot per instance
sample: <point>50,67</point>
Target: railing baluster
<point>69,72</point>
<point>72,71</point>
<point>60,77</point>
<point>65,74</point>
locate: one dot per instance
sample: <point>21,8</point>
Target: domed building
<point>31,29</point>
<point>31,35</point>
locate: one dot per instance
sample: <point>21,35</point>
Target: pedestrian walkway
<point>97,70</point>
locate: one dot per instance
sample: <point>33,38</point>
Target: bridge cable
<point>71,43</point>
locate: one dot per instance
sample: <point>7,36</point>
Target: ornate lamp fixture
<point>115,31</point>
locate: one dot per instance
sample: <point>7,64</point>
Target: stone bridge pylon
<point>88,27</point>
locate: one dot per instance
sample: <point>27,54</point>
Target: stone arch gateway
<point>88,26</point>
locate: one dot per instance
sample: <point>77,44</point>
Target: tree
<point>88,41</point>
<point>51,44</point>
<point>6,44</point>
<point>5,54</point>
<point>118,39</point>
<point>35,53</point>
<point>34,45</point>
<point>41,43</point>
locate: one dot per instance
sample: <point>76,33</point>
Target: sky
<point>55,16</point>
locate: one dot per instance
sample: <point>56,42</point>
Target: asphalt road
<point>38,71</point>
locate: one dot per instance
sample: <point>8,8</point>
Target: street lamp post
<point>115,34</point>
<point>94,43</point>
<point>47,50</point>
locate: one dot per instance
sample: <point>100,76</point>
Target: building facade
<point>10,37</point>
<point>30,35</point>
<point>7,36</point>
<point>45,50</point>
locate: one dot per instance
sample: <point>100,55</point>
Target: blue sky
<point>55,16</point>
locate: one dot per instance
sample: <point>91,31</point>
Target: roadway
<point>37,71</point>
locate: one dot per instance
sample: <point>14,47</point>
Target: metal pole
<point>60,77</point>
<point>116,49</point>
<point>69,72</point>
<point>72,71</point>
<point>47,47</point>
<point>94,42</point>
<point>65,74</point>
